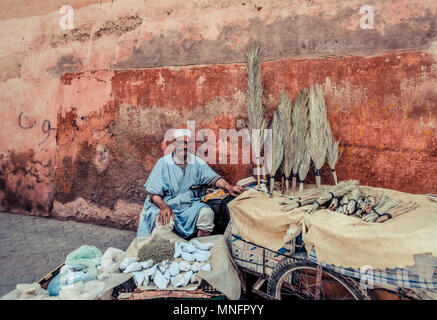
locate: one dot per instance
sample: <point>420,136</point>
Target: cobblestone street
<point>32,246</point>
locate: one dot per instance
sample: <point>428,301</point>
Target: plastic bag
<point>85,271</point>
<point>82,291</point>
<point>31,291</point>
<point>110,258</point>
<point>85,253</point>
<point>54,286</point>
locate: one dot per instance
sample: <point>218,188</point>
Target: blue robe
<point>168,180</point>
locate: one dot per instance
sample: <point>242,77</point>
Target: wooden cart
<point>289,274</point>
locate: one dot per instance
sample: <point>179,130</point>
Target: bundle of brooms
<point>277,148</point>
<point>347,198</point>
<point>336,191</point>
<point>306,198</point>
<point>257,122</point>
<point>318,130</point>
<point>332,153</point>
<point>300,131</point>
<point>401,208</point>
<point>285,122</point>
<point>304,165</point>
<point>370,208</point>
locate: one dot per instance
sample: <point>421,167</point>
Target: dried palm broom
<point>308,197</point>
<point>332,154</point>
<point>277,148</point>
<point>304,165</point>
<point>334,204</point>
<point>385,205</point>
<point>284,111</point>
<point>359,213</point>
<point>343,202</point>
<point>353,201</point>
<point>364,204</point>
<point>299,119</point>
<point>401,208</point>
<point>370,201</point>
<point>282,181</point>
<point>255,110</point>
<point>360,204</point>
<point>317,131</point>
<point>333,192</point>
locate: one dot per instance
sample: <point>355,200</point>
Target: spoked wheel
<point>306,280</point>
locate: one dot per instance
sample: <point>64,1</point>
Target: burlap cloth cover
<point>223,275</point>
<point>339,239</point>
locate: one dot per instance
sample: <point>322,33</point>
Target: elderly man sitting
<point>169,194</point>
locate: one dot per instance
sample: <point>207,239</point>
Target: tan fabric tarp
<point>339,239</point>
<point>259,219</point>
<point>223,275</point>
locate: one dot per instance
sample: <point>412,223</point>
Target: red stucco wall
<point>86,109</point>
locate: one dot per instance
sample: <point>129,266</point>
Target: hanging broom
<point>318,128</point>
<point>300,128</point>
<point>332,153</point>
<point>257,122</point>
<point>282,181</point>
<point>284,111</point>
<point>304,165</point>
<point>277,148</point>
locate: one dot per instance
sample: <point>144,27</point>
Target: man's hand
<point>165,213</point>
<point>235,190</point>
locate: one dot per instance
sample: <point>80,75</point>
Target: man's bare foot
<point>202,233</point>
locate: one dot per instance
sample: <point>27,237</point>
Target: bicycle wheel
<point>291,279</point>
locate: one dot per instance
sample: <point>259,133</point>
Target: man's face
<point>181,147</point>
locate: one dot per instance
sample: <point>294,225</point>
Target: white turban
<point>181,132</point>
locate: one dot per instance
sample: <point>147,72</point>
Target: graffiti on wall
<point>26,124</point>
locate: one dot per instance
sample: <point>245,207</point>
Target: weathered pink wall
<point>85,110</point>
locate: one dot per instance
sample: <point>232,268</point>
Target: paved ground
<point>31,246</point>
